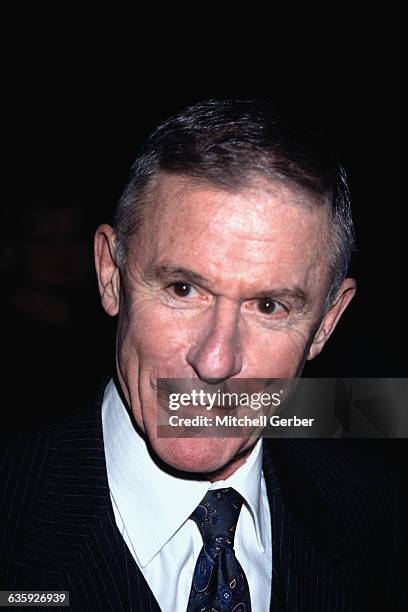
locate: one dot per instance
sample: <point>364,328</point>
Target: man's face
<point>217,285</point>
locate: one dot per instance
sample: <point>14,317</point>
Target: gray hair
<point>228,143</point>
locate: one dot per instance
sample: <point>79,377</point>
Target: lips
<point>232,385</point>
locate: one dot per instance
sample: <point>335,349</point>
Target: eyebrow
<point>296,294</point>
<point>165,273</point>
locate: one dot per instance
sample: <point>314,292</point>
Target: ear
<point>332,316</point>
<point>107,270</point>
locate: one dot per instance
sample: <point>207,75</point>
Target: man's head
<point>228,259</point>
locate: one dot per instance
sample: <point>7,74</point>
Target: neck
<point>227,470</point>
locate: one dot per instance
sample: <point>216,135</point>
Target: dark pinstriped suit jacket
<point>334,524</point>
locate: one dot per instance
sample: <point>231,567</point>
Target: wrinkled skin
<point>217,285</point>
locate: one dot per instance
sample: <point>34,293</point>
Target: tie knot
<point>217,515</point>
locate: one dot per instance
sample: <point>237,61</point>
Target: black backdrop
<point>78,103</point>
<point>73,122</point>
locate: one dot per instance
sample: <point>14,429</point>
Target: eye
<point>183,290</point>
<point>268,306</point>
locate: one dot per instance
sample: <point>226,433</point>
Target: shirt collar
<point>145,494</point>
<point>247,481</point>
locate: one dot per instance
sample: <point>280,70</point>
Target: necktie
<point>219,582</point>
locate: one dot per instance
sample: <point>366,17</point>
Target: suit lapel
<point>309,553</point>
<point>71,539</point>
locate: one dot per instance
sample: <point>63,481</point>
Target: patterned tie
<point>219,582</point>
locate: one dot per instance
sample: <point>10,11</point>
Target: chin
<point>197,455</point>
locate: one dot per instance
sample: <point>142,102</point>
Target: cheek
<point>277,354</point>
<point>153,336</point>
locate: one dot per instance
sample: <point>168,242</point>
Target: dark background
<point>73,122</point>
<point>82,91</point>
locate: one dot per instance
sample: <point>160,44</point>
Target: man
<point>228,260</point>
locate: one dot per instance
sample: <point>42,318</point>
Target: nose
<point>216,353</point>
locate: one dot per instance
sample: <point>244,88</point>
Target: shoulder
<point>351,477</point>
<point>22,457</point>
<point>346,498</point>
<point>22,460</point>
<point>31,463</point>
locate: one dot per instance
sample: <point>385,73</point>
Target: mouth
<point>232,385</point>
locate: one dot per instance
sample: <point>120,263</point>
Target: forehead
<point>265,229</point>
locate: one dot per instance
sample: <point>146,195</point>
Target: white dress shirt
<point>152,509</point>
